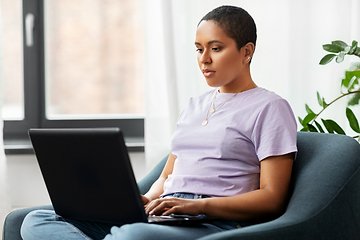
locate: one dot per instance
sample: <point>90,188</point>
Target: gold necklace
<point>215,108</point>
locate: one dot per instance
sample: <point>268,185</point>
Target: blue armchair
<point>324,201</point>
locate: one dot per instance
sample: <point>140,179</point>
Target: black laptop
<point>88,176</point>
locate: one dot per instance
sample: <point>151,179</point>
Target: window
<point>82,66</point>
<point>13,109</point>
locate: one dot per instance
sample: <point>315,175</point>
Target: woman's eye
<point>199,50</point>
<point>216,49</point>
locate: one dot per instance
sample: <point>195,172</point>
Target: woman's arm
<point>158,186</point>
<point>269,200</point>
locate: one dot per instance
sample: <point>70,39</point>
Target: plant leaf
<point>357,51</point>
<point>304,129</point>
<point>312,128</point>
<point>326,59</point>
<point>332,48</point>
<point>327,126</point>
<point>300,121</point>
<point>355,66</point>
<point>354,124</point>
<point>354,81</point>
<point>340,43</point>
<point>354,43</point>
<point>355,73</point>
<point>340,57</point>
<point>348,49</point>
<point>352,50</point>
<point>345,82</point>
<point>308,118</point>
<point>324,103</point>
<point>308,110</point>
<point>319,127</point>
<point>354,100</point>
<point>351,79</point>
<point>319,99</point>
<point>336,127</point>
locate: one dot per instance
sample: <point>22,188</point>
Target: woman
<point>232,151</point>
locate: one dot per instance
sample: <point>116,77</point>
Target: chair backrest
<point>324,164</point>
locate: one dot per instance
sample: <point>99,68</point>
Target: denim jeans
<point>46,224</point>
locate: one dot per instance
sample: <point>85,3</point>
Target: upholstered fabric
<point>324,201</point>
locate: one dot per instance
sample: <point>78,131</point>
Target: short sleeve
<point>275,130</point>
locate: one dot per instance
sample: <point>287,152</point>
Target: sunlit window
<point>12,72</point>
<point>80,64</point>
<point>93,58</point>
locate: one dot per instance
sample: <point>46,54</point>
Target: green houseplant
<point>349,89</point>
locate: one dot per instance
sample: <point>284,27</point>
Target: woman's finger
<point>144,199</point>
<point>174,205</point>
<point>159,206</point>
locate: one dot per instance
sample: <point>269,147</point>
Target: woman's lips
<point>208,73</point>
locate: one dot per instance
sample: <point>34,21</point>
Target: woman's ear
<point>249,51</point>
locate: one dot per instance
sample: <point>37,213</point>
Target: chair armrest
<point>13,221</point>
<point>149,179</point>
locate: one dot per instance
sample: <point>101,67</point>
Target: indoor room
<point>133,65</point>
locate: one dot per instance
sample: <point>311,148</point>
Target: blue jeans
<point>46,224</point>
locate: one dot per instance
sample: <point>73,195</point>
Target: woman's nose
<point>205,58</point>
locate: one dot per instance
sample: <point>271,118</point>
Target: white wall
<point>27,187</point>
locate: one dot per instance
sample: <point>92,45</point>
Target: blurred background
<point>136,60</point>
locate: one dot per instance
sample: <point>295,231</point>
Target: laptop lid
<point>88,174</point>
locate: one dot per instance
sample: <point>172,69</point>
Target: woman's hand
<point>167,206</point>
<point>145,200</point>
<point>158,186</point>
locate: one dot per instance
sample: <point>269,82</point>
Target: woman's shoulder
<point>265,94</point>
<point>203,96</point>
<point>261,100</point>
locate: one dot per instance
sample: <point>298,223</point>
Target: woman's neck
<point>236,89</point>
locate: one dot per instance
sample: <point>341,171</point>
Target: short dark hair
<point>235,22</point>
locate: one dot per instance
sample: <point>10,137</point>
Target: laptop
<point>88,175</point>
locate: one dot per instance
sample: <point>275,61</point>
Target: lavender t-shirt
<point>223,157</point>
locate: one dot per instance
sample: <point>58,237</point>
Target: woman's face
<point>219,59</point>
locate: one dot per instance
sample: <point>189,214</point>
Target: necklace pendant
<point>212,110</point>
<point>204,123</point>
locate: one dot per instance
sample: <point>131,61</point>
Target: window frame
<point>16,140</point>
